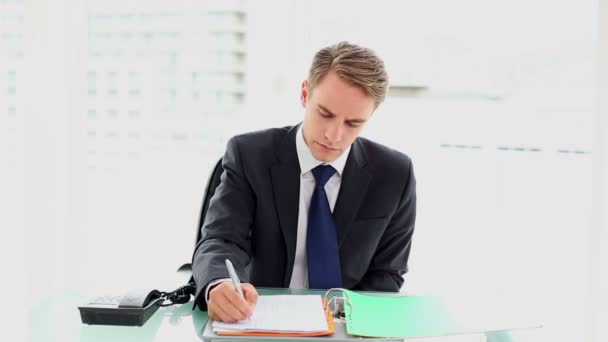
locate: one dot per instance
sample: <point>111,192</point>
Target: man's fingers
<point>229,306</point>
<point>239,302</point>
<point>226,305</point>
<point>217,314</point>
<point>251,294</point>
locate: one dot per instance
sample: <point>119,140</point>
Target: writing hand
<point>226,305</point>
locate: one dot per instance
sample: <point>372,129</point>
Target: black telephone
<point>134,308</point>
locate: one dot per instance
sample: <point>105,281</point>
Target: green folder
<point>397,316</point>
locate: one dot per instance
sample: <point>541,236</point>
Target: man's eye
<point>323,114</point>
<point>353,124</point>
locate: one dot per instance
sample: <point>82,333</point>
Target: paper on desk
<point>282,313</point>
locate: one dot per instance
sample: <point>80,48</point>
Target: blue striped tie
<point>321,241</point>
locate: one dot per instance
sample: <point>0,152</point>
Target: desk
<point>58,319</point>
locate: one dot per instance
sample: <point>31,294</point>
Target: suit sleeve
<point>226,230</point>
<point>389,262</point>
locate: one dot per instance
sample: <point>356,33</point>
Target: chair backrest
<point>185,270</point>
<point>212,183</point>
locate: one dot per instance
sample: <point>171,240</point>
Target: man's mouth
<point>327,147</point>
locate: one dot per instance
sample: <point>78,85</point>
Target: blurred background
<point>114,112</point>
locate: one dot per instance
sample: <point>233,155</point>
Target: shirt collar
<point>309,162</point>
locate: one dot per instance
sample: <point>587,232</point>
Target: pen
<point>235,278</point>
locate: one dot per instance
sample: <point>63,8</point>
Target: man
<point>313,205</point>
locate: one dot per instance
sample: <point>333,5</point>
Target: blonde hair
<point>355,64</point>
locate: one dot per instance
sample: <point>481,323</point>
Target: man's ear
<point>304,94</point>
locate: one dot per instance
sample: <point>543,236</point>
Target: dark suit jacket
<point>252,218</point>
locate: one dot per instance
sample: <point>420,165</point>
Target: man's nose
<point>334,132</point>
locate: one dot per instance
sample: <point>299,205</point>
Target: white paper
<point>282,313</point>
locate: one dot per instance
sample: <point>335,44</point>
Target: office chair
<point>184,273</point>
<point>212,183</point>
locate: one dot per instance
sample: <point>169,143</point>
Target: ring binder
<point>337,311</point>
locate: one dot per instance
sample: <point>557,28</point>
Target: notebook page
<point>282,313</point>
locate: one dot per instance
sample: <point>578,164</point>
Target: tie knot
<point>322,174</point>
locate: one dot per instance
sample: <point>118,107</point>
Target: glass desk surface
<point>58,319</point>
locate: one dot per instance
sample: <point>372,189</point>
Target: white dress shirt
<point>299,276</point>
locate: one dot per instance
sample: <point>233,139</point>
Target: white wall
<point>597,298</point>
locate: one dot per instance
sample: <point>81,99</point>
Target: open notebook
<point>283,315</point>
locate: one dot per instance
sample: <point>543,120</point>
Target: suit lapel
<point>285,176</point>
<point>355,180</point>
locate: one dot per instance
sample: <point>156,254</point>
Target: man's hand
<point>226,305</point>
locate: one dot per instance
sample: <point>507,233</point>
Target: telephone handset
<point>134,308</point>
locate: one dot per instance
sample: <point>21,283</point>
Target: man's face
<point>335,113</point>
